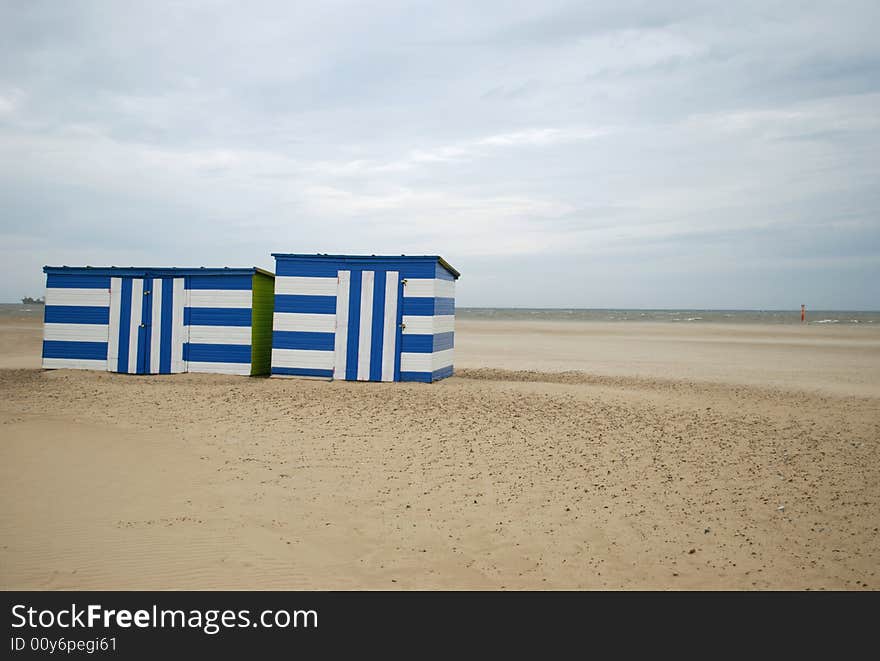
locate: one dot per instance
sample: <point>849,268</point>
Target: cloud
<point>10,101</point>
<point>655,147</point>
<point>468,150</point>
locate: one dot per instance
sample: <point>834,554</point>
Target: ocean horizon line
<point>662,309</point>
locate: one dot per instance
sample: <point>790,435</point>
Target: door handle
<point>143,325</point>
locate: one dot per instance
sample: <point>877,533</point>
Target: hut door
<point>368,316</point>
<point>147,329</point>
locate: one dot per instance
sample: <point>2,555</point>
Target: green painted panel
<point>261,324</point>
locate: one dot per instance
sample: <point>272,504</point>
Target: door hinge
<point>403,325</point>
<point>403,282</point>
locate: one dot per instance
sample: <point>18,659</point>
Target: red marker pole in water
<point>803,313</point>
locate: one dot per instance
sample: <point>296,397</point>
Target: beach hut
<point>363,318</point>
<point>158,320</point>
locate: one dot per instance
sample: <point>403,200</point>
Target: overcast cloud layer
<point>619,154</point>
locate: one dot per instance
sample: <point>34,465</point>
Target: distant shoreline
<point>773,317</point>
<point>621,315</point>
<point>566,309</point>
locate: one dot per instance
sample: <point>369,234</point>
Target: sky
<point>559,154</point>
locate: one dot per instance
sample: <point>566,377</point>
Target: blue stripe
<point>305,304</point>
<point>378,330</point>
<point>302,371</point>
<point>417,344</point>
<point>444,341</point>
<point>217,353</point>
<point>423,377</point>
<point>424,306</point>
<point>145,332</point>
<point>165,332</point>
<point>240,282</point>
<point>444,306</point>
<point>66,349</point>
<point>58,281</point>
<point>144,271</point>
<point>441,272</point>
<point>330,265</point>
<point>421,306</point>
<point>427,377</point>
<point>76,314</point>
<point>124,323</point>
<point>354,326</point>
<point>302,340</point>
<point>307,268</point>
<point>216,316</point>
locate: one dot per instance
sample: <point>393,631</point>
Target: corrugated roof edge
<point>441,261</point>
<point>135,270</point>
<point>449,267</point>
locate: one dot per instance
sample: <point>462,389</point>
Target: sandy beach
<point>562,455</point>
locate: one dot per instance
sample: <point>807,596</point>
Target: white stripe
<point>242,369</point>
<point>389,335</point>
<point>365,334</point>
<point>441,359</point>
<point>92,297</point>
<point>220,334</point>
<point>220,298</point>
<point>113,329</point>
<point>444,288</point>
<point>444,323</point>
<point>73,364</point>
<point>419,288</point>
<point>302,286</point>
<point>179,333</point>
<point>340,346</point>
<point>296,321</point>
<point>415,362</point>
<point>76,332</point>
<point>425,362</point>
<point>137,304</point>
<point>421,325</point>
<point>429,288</point>
<point>418,325</point>
<point>303,358</point>
<point>156,326</point>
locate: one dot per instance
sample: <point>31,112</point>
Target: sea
<point>682,316</point>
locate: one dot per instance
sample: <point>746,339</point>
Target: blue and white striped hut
<point>360,318</point>
<point>158,320</point>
